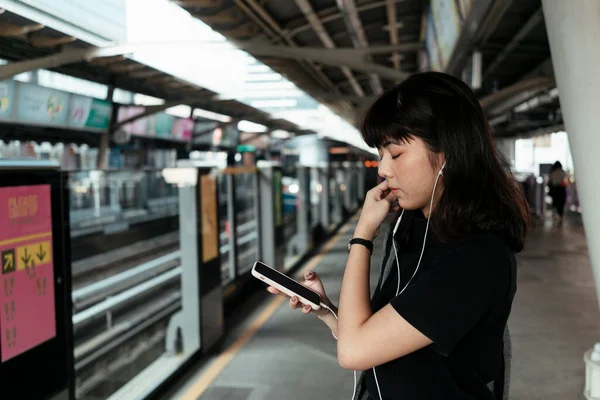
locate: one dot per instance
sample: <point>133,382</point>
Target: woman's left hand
<point>378,203</point>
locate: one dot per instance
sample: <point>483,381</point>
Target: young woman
<point>434,326</point>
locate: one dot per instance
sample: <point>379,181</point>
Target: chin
<point>408,205</point>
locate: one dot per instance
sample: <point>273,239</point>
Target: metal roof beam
<point>319,29</point>
<point>358,37</point>
<point>353,58</point>
<point>532,22</point>
<point>151,110</point>
<point>538,83</point>
<point>393,31</point>
<point>330,14</point>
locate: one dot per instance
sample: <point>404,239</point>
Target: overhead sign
<point>41,105</point>
<point>7,95</point>
<point>160,125</point>
<point>182,129</point>
<point>139,126</point>
<point>86,112</point>
<point>27,290</point>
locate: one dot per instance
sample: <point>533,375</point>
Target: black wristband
<point>367,243</point>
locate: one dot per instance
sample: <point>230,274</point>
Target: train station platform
<point>277,353</point>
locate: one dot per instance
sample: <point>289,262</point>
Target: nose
<point>385,169</point>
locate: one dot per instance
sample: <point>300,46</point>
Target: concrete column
<point>573,32</point>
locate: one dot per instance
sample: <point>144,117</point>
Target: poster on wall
<point>7,95</point>
<point>182,129</point>
<point>138,127</point>
<point>90,113</point>
<point>27,289</point>
<point>447,28</point>
<point>163,125</point>
<point>41,105</point>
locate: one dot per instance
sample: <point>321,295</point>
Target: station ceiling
<point>510,35</point>
<point>342,52</point>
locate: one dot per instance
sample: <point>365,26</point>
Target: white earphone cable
<point>336,317</point>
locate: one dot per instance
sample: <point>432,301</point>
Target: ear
<point>441,161</point>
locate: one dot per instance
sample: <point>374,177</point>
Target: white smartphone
<point>286,285</point>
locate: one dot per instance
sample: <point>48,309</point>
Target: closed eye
<point>396,156</point>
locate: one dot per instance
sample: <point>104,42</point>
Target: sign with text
<point>27,310</point>
<point>41,105</point>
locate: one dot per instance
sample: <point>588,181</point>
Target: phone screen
<point>287,282</point>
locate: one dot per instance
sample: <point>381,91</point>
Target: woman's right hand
<point>313,282</point>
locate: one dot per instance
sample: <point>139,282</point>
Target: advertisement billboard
<point>40,105</point>
<point>86,112</point>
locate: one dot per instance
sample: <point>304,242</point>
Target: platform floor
<point>277,353</point>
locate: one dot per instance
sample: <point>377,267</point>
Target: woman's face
<point>407,168</point>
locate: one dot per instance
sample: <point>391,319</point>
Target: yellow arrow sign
<point>33,255</point>
<point>8,262</point>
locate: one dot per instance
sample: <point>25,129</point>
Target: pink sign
<point>27,311</point>
<point>182,128</point>
<point>137,127</point>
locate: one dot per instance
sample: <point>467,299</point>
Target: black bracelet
<point>367,243</point>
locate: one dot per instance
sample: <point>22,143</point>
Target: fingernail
<point>309,275</point>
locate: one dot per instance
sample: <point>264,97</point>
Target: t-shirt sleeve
<point>453,293</point>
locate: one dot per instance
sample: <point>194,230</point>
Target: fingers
<point>272,290</point>
<point>391,198</point>
<point>381,190</point>
<point>294,303</point>
<point>310,276</point>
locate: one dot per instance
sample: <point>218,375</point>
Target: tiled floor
<point>555,319</point>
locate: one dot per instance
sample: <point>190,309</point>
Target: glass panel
<point>125,274</point>
<point>246,217</point>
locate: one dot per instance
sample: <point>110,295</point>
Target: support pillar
<point>572,34</point>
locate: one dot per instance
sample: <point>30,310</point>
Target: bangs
<point>386,123</point>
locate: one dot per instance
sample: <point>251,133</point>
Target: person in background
<point>557,189</point>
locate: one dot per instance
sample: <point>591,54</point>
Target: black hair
<point>480,194</point>
<point>557,165</point>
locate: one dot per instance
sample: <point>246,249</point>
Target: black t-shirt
<point>460,298</point>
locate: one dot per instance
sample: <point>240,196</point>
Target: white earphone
<point>398,292</point>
